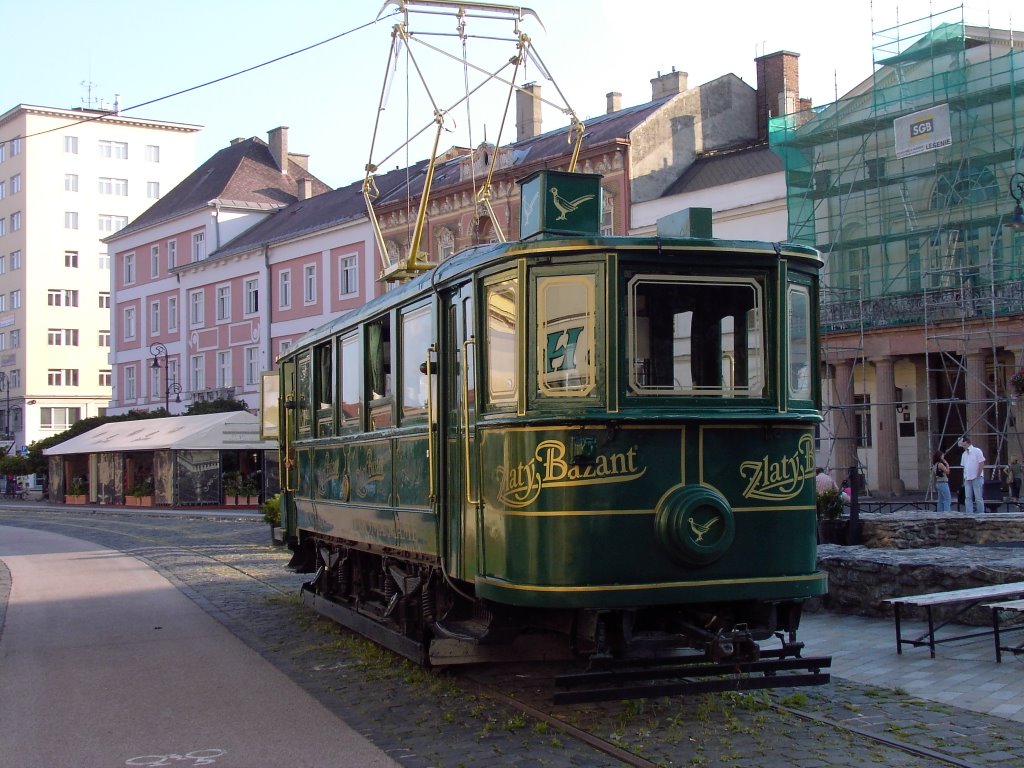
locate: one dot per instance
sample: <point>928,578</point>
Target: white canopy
<point>234,430</point>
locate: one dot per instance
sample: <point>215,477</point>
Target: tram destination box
<point>561,204</point>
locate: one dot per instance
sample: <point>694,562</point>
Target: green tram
<point>598,444</point>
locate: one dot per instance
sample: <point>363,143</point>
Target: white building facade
<point>67,179</point>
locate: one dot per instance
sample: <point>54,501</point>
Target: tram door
<point>459,480</point>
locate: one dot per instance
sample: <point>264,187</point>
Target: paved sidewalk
<point>963,674</point>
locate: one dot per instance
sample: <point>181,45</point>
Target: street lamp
<point>1017,193</point>
<point>5,384</point>
<point>156,350</point>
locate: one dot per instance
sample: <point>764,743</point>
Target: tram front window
<point>696,336</point>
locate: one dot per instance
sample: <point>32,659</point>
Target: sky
<point>328,95</point>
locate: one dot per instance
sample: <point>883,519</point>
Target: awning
<point>234,430</point>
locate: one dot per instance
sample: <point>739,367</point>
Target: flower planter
<point>833,531</point>
<point>139,501</point>
<point>74,499</point>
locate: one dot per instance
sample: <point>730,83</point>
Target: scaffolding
<point>902,185</point>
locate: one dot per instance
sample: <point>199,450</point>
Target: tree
<point>222,405</point>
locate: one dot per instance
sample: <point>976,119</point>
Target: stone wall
<point>914,530</point>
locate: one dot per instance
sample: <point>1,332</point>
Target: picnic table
<point>990,596</point>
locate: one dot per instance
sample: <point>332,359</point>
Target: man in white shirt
<point>973,462</point>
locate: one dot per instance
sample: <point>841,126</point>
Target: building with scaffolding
<point>902,185</point>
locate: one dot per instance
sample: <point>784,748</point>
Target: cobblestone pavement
<point>429,719</point>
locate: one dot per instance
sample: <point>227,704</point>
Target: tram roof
<point>479,257</point>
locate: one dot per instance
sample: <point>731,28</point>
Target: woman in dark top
<point>941,471</point>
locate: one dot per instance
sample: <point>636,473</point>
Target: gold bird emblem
<point>700,530</point>
<point>567,206</point>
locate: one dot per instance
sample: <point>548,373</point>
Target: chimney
<point>300,160</point>
<point>279,147</point>
<point>305,188</point>
<point>237,140</point>
<point>664,86</point>
<point>614,101</point>
<point>778,87</point>
<point>528,117</point>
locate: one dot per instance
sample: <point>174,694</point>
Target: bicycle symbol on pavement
<point>196,757</point>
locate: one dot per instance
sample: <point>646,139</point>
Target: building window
<point>197,373</point>
<point>57,337</point>
<point>129,323</point>
<point>3,189</point>
<point>129,268</point>
<point>154,261</point>
<point>252,296</point>
<point>348,275</point>
<point>224,369</point>
<point>3,264</point>
<point>252,367</point>
<point>198,246</point>
<point>108,186</point>
<point>3,226</point>
<point>15,221</point>
<point>172,313</point>
<point>55,297</point>
<point>129,383</point>
<point>3,341</point>
<point>118,150</point>
<point>59,419</point>
<point>104,300</point>
<point>172,254</point>
<point>445,244</point>
<point>103,261</point>
<point>15,261</point>
<point>105,378</point>
<point>3,302</point>
<point>153,190</point>
<point>15,183</point>
<point>16,339</point>
<point>71,259</point>
<point>16,298</point>
<point>223,302</point>
<point>70,219</point>
<point>154,318</point>
<point>16,146</point>
<point>284,293</point>
<point>71,145</point>
<point>109,223</point>
<point>309,284</point>
<point>104,339</point>
<point>152,153</point>
<point>70,182</point>
<point>195,308</point>
<point>62,377</point>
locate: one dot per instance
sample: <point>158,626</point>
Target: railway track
<point>711,729</point>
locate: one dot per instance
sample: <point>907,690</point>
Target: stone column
<point>845,454</point>
<point>884,413</point>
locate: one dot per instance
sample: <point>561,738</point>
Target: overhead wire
<point>208,83</point>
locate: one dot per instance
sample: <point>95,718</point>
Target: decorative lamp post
<point>157,350</point>
<point>1017,193</point>
<point>5,384</point>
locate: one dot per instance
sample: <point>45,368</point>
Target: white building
<point>69,177</point>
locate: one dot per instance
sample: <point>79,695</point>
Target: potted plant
<point>232,488</point>
<point>1016,381</point>
<point>248,490</point>
<point>76,492</point>
<point>141,494</point>
<point>271,509</point>
<point>831,525</point>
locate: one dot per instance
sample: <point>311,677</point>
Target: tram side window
<point>378,368</point>
<point>351,372</point>
<point>501,348</point>
<point>415,344</point>
<point>304,388</point>
<point>565,328</point>
<point>696,336</point>
<point>799,342</point>
<point>323,384</point>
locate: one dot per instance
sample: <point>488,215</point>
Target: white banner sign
<point>922,131</point>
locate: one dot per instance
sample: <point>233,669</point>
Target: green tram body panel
<point>562,532</point>
<point>618,498</point>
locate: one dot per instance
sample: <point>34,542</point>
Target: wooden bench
<point>1014,606</point>
<point>966,598</point>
